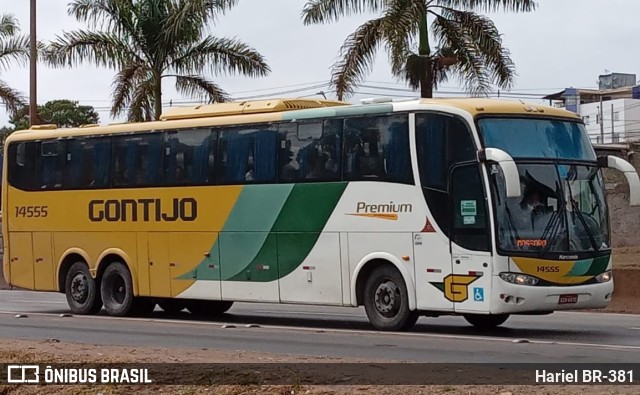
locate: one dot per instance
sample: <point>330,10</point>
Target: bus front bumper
<point>511,298</point>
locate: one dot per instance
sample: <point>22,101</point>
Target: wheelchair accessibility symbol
<point>478,294</point>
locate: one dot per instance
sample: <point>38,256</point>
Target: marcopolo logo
<point>388,211</point>
<point>143,210</point>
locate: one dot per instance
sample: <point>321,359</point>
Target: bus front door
<point>470,284</point>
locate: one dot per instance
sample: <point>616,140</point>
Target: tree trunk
<point>157,95</point>
<point>426,83</point>
<point>424,49</point>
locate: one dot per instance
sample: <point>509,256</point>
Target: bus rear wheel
<point>208,308</point>
<point>83,295</point>
<point>386,300</point>
<point>116,288</point>
<point>486,321</point>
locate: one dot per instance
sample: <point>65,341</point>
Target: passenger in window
<point>249,176</point>
<point>289,172</point>
<point>317,169</point>
<point>331,165</point>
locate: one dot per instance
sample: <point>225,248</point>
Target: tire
<point>208,308</point>
<point>386,300</point>
<point>82,291</point>
<point>486,321</point>
<point>172,306</point>
<point>142,306</point>
<point>116,288</point>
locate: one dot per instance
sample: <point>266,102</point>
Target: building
<point>610,113</point>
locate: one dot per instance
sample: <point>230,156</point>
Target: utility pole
<point>33,66</point>
<point>612,125</point>
<point>601,122</point>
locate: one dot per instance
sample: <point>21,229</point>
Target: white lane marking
<point>352,331</point>
<point>603,314</point>
<point>36,302</point>
<point>635,328</point>
<point>297,312</point>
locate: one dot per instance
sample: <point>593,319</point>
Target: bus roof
<point>479,106</point>
<point>275,110</point>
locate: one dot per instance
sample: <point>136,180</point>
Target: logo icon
<point>455,286</point>
<point>478,294</point>
<point>20,374</point>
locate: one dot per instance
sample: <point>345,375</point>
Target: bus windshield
<point>562,209</point>
<point>537,138</point>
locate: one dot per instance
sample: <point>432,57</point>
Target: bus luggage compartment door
<point>43,267</point>
<point>21,260</point>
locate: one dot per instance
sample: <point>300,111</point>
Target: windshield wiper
<point>550,232</point>
<point>512,227</point>
<point>578,213</point>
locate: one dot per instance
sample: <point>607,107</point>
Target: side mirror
<point>508,166</point>
<point>613,162</point>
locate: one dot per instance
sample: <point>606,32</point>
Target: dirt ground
<point>52,351</point>
<point>626,276</point>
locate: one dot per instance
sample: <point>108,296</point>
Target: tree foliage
<point>427,42</point>
<point>147,41</point>
<point>64,113</point>
<point>14,48</point>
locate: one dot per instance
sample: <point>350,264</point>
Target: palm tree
<point>147,41</point>
<point>427,41</point>
<point>13,48</point>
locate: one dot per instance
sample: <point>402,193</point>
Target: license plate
<point>568,299</point>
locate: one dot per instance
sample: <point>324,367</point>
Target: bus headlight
<point>519,279</point>
<point>604,277</point>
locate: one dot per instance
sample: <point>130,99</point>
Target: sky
<point>564,43</point>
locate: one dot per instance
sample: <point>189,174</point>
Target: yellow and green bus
<point>474,207</point>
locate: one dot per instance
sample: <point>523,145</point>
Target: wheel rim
<point>387,299</point>
<point>119,289</point>
<point>79,288</point>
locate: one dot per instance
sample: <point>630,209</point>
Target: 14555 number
<point>32,211</point>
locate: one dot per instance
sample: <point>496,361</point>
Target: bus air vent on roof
<point>246,107</point>
<point>44,127</point>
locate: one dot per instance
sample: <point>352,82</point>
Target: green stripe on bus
<point>599,265</point>
<point>580,268</point>
<point>245,231</point>
<point>308,207</point>
<point>297,229</point>
<point>294,233</point>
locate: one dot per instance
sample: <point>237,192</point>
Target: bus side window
<point>442,141</point>
<point>309,151</point>
<point>190,157</point>
<point>138,160</point>
<point>248,155</point>
<point>88,162</point>
<point>22,165</point>
<point>377,149</point>
<point>51,164</point>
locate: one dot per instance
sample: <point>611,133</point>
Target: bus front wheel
<point>83,295</point>
<point>486,321</point>
<point>386,300</point>
<point>116,288</point>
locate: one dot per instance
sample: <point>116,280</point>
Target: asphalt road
<point>334,332</point>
